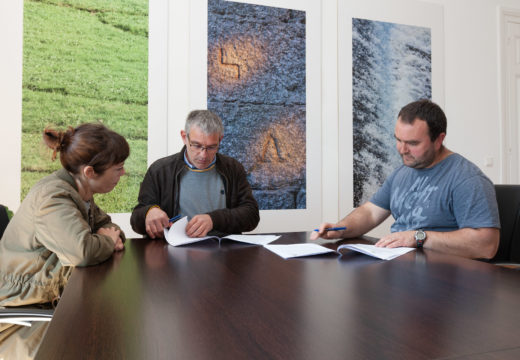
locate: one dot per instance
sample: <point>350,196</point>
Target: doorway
<point>510,41</point>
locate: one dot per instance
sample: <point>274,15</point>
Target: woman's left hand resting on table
<point>113,233</point>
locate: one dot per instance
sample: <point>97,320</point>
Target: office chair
<point>508,199</point>
<point>4,219</point>
<point>24,315</point>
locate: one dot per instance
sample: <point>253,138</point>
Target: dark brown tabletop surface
<point>239,301</point>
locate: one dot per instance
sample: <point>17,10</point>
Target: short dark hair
<point>428,111</point>
<point>88,144</point>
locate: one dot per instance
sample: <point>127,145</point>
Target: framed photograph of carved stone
<point>387,58</point>
<point>263,80</point>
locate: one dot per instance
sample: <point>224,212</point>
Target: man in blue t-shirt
<point>439,199</point>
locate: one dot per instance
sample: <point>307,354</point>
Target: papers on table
<point>378,252</point>
<point>253,239</point>
<point>297,250</point>
<point>176,236</point>
<point>308,249</point>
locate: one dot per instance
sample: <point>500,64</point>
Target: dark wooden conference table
<point>239,301</point>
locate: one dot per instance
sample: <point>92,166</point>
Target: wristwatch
<point>420,236</point>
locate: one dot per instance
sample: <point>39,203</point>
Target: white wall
<point>472,96</point>
<point>11,29</point>
<point>472,84</point>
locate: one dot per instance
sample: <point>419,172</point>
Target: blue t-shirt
<point>451,195</point>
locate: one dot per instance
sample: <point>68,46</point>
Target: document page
<point>253,239</point>
<point>297,250</point>
<point>378,252</point>
<point>176,236</point>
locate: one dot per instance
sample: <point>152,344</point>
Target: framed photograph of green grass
<point>86,61</point>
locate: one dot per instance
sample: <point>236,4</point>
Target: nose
<point>205,154</point>
<point>402,148</point>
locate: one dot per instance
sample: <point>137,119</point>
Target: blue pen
<point>333,228</point>
<point>175,218</point>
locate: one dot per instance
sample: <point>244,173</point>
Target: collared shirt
<point>193,167</point>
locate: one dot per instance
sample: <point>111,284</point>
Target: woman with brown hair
<point>58,225</point>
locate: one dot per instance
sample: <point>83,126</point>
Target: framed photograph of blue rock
<point>387,58</point>
<point>262,63</point>
<point>256,81</point>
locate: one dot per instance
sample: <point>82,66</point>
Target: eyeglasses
<point>199,148</point>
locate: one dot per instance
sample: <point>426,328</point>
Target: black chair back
<point>508,199</point>
<point>4,220</point>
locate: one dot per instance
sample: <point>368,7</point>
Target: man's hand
<point>199,225</point>
<point>398,239</point>
<point>358,222</point>
<point>155,222</point>
<point>327,234</point>
<point>113,233</point>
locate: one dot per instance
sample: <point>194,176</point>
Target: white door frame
<point>509,121</point>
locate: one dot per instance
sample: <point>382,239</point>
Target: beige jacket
<point>51,232</point>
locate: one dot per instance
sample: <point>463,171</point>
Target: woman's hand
<point>112,233</point>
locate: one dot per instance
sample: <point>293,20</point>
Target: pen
<point>175,218</point>
<point>333,228</point>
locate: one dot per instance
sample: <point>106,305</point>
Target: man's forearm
<point>479,243</point>
<point>363,219</point>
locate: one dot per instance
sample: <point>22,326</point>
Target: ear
<point>439,140</point>
<point>88,172</point>
<point>184,137</point>
<point>221,137</point>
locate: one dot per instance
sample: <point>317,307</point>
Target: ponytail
<point>88,144</point>
<point>57,140</point>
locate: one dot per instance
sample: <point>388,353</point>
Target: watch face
<point>420,235</point>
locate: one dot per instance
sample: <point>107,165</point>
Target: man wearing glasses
<point>210,188</point>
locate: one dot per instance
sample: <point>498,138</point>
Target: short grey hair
<point>207,121</point>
